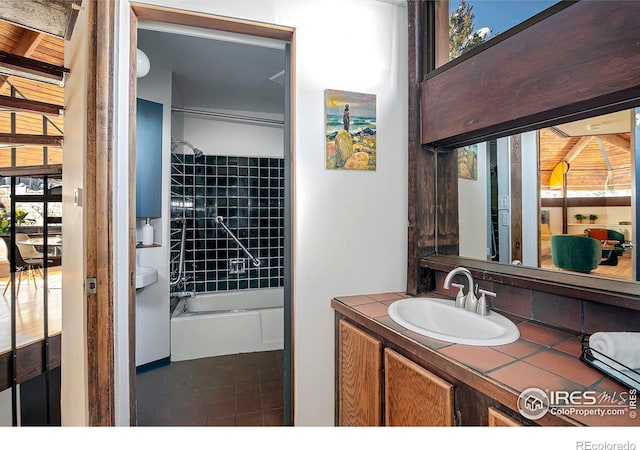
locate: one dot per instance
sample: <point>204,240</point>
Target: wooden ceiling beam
<point>616,140</point>
<point>25,171</point>
<point>31,139</point>
<point>20,104</point>
<point>32,69</point>
<point>576,149</point>
<point>28,42</point>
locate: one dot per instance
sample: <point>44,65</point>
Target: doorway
<point>201,268</point>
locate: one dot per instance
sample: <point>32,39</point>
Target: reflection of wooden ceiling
<point>587,167</point>
<point>20,41</point>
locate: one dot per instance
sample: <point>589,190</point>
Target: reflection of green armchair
<point>602,234</point>
<point>577,253</point>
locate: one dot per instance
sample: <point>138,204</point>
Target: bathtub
<point>213,324</point>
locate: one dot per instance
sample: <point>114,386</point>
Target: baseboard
<point>153,365</point>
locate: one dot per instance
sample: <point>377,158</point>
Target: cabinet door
<point>359,378</point>
<point>499,419</point>
<point>413,395</point>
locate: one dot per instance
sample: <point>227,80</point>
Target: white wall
<point>350,232</point>
<point>121,230</point>
<point>608,217</point>
<point>74,401</point>
<point>473,210</point>
<point>224,137</point>
<point>530,198</point>
<point>152,302</point>
<point>6,419</point>
<point>555,219</point>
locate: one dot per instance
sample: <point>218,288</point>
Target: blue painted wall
<point>148,159</point>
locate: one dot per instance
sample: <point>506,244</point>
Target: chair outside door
<point>32,257</point>
<point>21,265</point>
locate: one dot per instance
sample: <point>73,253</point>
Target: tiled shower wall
<point>248,192</point>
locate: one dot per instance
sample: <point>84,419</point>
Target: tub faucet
<point>470,302</point>
<point>182,294</point>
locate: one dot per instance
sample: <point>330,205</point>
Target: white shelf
<point>597,224</point>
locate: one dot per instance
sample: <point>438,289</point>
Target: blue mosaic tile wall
<point>248,192</point>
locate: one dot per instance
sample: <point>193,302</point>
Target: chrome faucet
<point>470,302</point>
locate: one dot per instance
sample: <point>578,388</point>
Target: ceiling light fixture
<point>594,126</point>
<point>142,64</point>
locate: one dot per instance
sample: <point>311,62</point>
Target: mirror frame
<point>440,123</point>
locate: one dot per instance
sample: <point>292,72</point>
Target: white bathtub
<point>216,324</point>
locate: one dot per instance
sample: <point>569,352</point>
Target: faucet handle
<point>492,294</point>
<point>460,298</point>
<point>483,305</point>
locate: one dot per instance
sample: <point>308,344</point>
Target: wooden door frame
<point>219,23</point>
<point>99,212</point>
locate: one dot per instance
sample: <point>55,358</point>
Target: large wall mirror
<point>541,135</point>
<point>561,198</point>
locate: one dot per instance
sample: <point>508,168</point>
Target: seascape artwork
<point>468,162</point>
<point>350,130</point>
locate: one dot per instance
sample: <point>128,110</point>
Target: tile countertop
<point>543,357</point>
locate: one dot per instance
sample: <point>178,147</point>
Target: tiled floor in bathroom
<point>231,390</point>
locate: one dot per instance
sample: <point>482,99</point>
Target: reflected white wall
<point>473,208</point>
<point>530,198</point>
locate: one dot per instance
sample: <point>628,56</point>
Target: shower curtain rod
<point>228,116</point>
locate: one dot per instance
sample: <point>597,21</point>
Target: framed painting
<point>468,162</point>
<point>350,130</point>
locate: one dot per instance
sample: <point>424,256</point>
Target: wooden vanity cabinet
<point>412,395</point>
<point>376,385</point>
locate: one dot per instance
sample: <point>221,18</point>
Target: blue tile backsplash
<point>248,192</point>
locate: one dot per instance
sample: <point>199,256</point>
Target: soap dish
<point>618,371</point>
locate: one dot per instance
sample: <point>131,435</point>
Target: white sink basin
<point>440,319</point>
<point>145,276</point>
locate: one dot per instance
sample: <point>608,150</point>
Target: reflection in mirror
<point>560,198</point>
<point>473,22</point>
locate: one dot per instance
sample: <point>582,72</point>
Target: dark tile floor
<point>244,389</point>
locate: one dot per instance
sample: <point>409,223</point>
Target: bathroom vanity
<point>388,375</point>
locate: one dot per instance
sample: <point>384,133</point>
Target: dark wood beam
<point>29,361</point>
<point>585,201</point>
<point>421,212</point>
<point>32,69</point>
<point>536,82</point>
<point>28,171</point>
<point>20,104</point>
<point>31,139</point>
